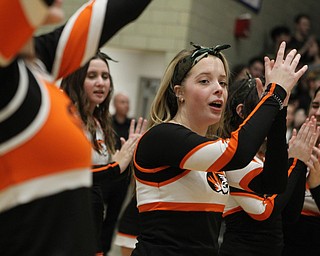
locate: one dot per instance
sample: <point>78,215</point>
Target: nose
<point>99,81</point>
<point>218,88</point>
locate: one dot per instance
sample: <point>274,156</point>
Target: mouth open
<point>216,104</point>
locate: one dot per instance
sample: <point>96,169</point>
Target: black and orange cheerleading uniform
<point>254,221</point>
<point>45,158</point>
<point>181,184</point>
<point>301,237</point>
<point>253,217</point>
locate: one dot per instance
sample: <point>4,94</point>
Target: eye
<point>315,105</point>
<point>223,84</point>
<point>204,81</point>
<point>105,76</point>
<point>91,75</point>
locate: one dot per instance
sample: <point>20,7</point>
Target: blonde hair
<point>165,104</point>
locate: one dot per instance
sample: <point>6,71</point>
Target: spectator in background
<point>278,34</point>
<point>291,109</point>
<point>314,52</point>
<point>256,67</point>
<point>120,119</point>
<point>302,237</point>
<point>239,72</point>
<point>115,190</point>
<point>306,89</point>
<point>302,39</point>
<point>299,118</point>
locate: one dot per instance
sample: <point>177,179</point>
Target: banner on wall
<point>254,5</point>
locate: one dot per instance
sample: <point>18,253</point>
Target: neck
<point>186,123</point>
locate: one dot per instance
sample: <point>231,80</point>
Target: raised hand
<point>302,143</point>
<point>124,156</point>
<point>282,71</point>
<point>313,178</point>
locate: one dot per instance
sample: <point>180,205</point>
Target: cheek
<point>87,86</point>
<point>108,86</point>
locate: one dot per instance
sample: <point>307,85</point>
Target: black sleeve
<point>273,178</point>
<point>119,14</point>
<point>46,46</point>
<point>315,192</point>
<point>102,172</point>
<point>293,198</point>
<point>255,128</point>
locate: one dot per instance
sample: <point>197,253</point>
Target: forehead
<point>98,64</point>
<point>317,97</point>
<point>211,65</point>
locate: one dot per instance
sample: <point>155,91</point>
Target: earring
<point>181,99</point>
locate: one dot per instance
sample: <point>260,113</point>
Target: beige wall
<point>169,25</point>
<point>147,45</point>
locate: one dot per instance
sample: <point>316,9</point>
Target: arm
<point>17,29</point>
<point>267,207</point>
<point>262,207</point>
<point>71,46</point>
<point>313,179</point>
<point>275,164</point>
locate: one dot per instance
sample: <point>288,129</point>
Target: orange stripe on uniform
<point>292,166</point>
<point>226,156</point>
<point>234,210</point>
<point>104,168</point>
<point>59,146</point>
<point>77,42</point>
<point>169,206</point>
<point>249,177</point>
<point>191,152</point>
<point>11,40</point>
<point>160,184</point>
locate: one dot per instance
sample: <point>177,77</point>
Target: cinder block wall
<point>169,25</point>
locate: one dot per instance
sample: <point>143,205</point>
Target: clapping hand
<point>124,155</point>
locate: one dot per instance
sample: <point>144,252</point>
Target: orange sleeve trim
<point>151,170</point>
<point>234,210</point>
<point>294,163</point>
<point>160,184</point>
<point>127,235</point>
<point>226,156</point>
<point>192,151</point>
<point>169,206</point>
<point>310,213</point>
<point>244,183</point>
<point>77,40</point>
<point>268,202</point>
<point>104,168</point>
<point>15,28</point>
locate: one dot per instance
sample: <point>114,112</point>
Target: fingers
<point>141,126</point>
<point>292,59</point>
<point>259,86</point>
<point>132,125</point>
<point>122,140</point>
<point>280,53</point>
<point>301,71</point>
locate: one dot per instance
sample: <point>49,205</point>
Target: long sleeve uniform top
<point>253,217</point>
<point>254,221</point>
<point>181,184</point>
<point>301,236</point>
<point>45,158</point>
